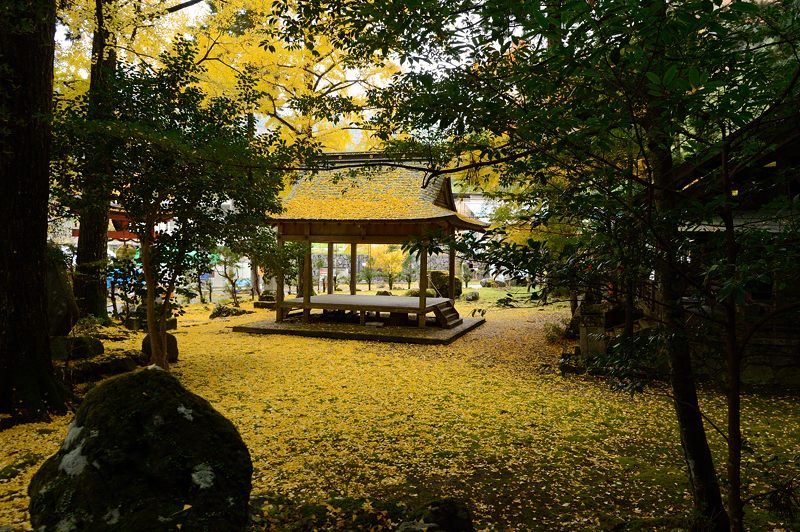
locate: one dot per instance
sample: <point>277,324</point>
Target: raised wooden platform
<point>371,303</point>
<point>322,327</point>
<point>399,307</point>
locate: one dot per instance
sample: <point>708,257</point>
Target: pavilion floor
<point>398,304</point>
<point>320,326</point>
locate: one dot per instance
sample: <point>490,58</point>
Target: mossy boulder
<point>440,281</point>
<point>144,454</point>
<point>472,296</point>
<point>172,348</point>
<point>102,366</point>
<point>383,293</point>
<point>75,347</point>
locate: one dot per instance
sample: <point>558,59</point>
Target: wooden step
<point>447,315</point>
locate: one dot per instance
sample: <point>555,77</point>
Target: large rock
<point>62,311</point>
<point>102,366</point>
<point>144,454</point>
<point>75,347</point>
<point>444,515</point>
<point>172,348</point>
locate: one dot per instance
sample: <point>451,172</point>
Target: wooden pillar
<point>307,287</point>
<point>423,284</point>
<point>279,287</point>
<point>330,268</point>
<point>451,285</point>
<point>353,267</point>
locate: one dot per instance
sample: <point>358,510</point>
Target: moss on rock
<point>144,454</point>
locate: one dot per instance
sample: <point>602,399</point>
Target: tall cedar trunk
<point>158,353</point>
<point>700,464</point>
<point>90,278</point>
<point>28,387</point>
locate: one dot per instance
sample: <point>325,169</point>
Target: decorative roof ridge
<point>355,159</point>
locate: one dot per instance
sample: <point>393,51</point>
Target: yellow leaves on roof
<point>383,194</point>
<point>306,208</point>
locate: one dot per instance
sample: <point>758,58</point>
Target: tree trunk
<point>200,289</point>
<point>255,280</point>
<point>158,353</point>
<point>90,278</point>
<point>700,464</point>
<point>29,390</point>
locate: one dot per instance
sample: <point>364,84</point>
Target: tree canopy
<point>632,125</point>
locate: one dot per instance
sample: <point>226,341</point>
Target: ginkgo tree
<point>185,168</point>
<point>389,262</point>
<point>97,34</point>
<point>235,37</point>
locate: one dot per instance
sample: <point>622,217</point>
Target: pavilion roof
<point>372,194</point>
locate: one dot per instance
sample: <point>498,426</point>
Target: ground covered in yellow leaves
<point>341,431</point>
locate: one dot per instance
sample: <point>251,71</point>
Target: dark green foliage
<point>414,292</point>
<point>181,157</point>
<point>440,283</point>
<point>224,311</point>
<point>625,136</point>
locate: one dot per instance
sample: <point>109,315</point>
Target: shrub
<point>553,333</point>
<point>440,281</point>
<point>414,292</point>
<point>223,311</point>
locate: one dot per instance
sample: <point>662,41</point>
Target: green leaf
<point>653,77</point>
<point>694,77</point>
<point>670,74</point>
<point>745,7</point>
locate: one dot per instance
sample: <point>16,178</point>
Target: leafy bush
<point>414,292</point>
<point>223,311</point>
<point>554,333</point>
<point>440,280</point>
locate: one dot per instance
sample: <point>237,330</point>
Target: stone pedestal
<point>592,332</point>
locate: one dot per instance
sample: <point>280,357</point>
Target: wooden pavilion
<point>352,203</point>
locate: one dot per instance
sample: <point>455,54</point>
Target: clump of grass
<point>554,333</point>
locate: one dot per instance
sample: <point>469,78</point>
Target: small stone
<point>172,348</point>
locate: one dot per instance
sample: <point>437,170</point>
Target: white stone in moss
<point>155,366</point>
<point>67,524</point>
<point>112,516</point>
<point>185,412</point>
<point>72,436</point>
<point>73,463</point>
<point>203,476</point>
